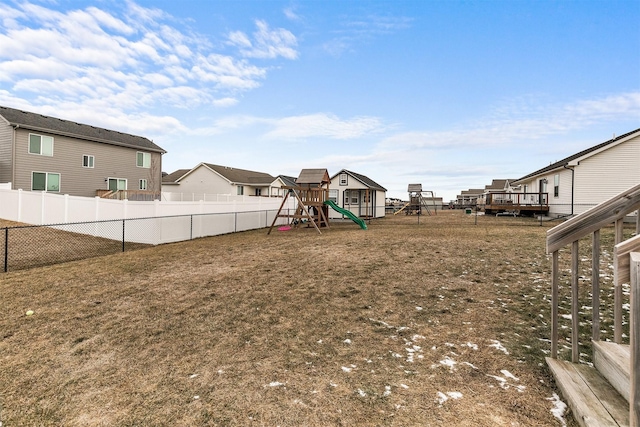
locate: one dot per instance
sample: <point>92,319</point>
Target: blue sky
<point>449,94</point>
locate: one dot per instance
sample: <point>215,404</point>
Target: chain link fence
<point>28,246</point>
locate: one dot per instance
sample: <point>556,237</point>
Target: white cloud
<point>323,125</point>
<point>135,57</point>
<point>507,126</point>
<point>267,43</point>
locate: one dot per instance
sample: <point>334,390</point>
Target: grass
<point>345,328</point>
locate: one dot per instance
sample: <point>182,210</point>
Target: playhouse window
<point>343,179</point>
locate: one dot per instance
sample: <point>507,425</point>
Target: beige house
<point>207,178</point>
<point>585,179</point>
<point>357,193</point>
<point>42,153</point>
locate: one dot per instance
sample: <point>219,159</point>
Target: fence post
<point>123,222</point>
<point>191,228</point>
<point>19,213</point>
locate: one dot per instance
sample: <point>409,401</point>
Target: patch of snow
<point>502,381</point>
<point>387,390</point>
<point>361,392</point>
<point>193,375</point>
<point>472,346</point>
<point>498,345</point>
<point>450,363</point>
<point>196,397</point>
<point>559,408</point>
<point>346,369</point>
<point>347,341</point>
<point>508,374</point>
<point>404,386</point>
<point>419,308</point>
<point>275,384</point>
<point>442,397</point>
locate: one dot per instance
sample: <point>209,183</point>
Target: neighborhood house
<point>207,178</point>
<point>43,153</point>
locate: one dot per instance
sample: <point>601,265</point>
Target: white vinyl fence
<point>142,222</point>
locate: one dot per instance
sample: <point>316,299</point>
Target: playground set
<point>418,200</point>
<point>312,193</point>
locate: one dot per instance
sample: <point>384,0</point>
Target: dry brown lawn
<point>442,323</point>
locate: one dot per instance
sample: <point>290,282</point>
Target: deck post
<point>595,281</point>
<point>617,291</point>
<point>554,305</point>
<point>634,342</point>
<point>575,306</point>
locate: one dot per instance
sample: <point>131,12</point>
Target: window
<point>258,191</point>
<point>143,160</point>
<point>556,185</point>
<point>240,190</point>
<point>42,145</point>
<point>346,197</point>
<point>333,196</point>
<point>343,179</point>
<point>143,184</point>
<point>354,197</point>
<point>45,181</point>
<point>116,184</point>
<point>88,161</point>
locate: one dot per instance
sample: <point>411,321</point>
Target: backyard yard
<point>444,322</point>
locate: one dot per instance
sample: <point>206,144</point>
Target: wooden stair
<point>598,396</point>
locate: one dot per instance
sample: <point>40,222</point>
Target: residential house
<point>43,153</point>
<point>357,193</point>
<point>468,198</point>
<point>207,178</point>
<point>587,178</point>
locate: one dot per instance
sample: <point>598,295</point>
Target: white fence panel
<point>152,223</point>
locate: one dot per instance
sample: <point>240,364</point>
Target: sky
<point>449,94</point>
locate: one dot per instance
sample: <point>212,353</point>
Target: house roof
<point>241,176</point>
<point>415,188</point>
<point>233,175</point>
<point>472,192</point>
<point>363,179</point>
<point>313,176</point>
<point>289,181</point>
<point>173,177</point>
<point>583,153</point>
<point>41,123</point>
<point>498,184</point>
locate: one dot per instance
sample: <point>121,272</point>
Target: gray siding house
<point>42,153</point>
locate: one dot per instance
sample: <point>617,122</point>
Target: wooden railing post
<point>617,291</point>
<point>554,305</point>
<point>595,282</point>
<point>634,328</point>
<point>575,305</point>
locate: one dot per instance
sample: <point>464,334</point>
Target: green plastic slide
<point>346,213</point>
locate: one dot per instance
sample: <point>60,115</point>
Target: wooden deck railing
<point>634,395</point>
<point>612,211</point>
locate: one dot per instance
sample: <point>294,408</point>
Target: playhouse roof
<point>318,177</point>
